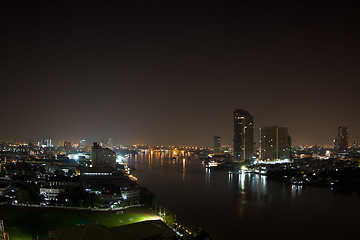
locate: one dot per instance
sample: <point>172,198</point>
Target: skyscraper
<point>243,135</point>
<point>274,143</point>
<point>67,146</point>
<point>341,141</point>
<point>217,145</point>
<point>82,143</point>
<point>45,143</point>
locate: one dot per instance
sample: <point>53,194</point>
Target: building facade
<point>130,194</point>
<point>51,193</point>
<point>82,143</point>
<point>217,145</point>
<point>102,157</point>
<point>275,143</point>
<point>243,135</point>
<point>341,141</point>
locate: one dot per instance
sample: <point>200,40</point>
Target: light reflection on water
<point>207,176</point>
<point>183,169</point>
<point>236,206</point>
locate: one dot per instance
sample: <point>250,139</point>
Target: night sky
<point>169,72</point>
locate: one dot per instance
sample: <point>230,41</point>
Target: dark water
<point>245,206</point>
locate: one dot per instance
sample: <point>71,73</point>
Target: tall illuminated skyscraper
<point>341,141</point>
<point>243,135</point>
<point>275,143</point>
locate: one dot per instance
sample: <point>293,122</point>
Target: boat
<point>211,164</point>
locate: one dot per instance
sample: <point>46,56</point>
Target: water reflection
<point>242,182</point>
<point>248,181</point>
<point>249,194</point>
<point>230,179</point>
<point>245,201</point>
<point>161,158</point>
<point>183,169</point>
<point>296,190</point>
<point>207,176</point>
<point>262,181</point>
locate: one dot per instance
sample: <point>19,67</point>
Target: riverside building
<point>217,145</point>
<point>243,135</point>
<point>275,143</point>
<point>102,157</point>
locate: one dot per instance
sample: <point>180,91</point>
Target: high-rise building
<point>82,143</point>
<point>108,143</point>
<point>217,145</point>
<point>275,143</point>
<point>58,142</point>
<point>102,157</point>
<point>243,135</point>
<point>341,141</point>
<point>67,146</point>
<point>45,143</point>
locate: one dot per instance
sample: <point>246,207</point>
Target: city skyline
<point>170,73</point>
<point>56,141</point>
<point>89,141</point>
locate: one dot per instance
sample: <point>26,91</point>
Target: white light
<point>119,158</point>
<point>280,161</point>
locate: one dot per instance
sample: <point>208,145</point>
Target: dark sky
<point>169,72</point>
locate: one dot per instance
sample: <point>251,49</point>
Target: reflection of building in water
<point>242,181</point>
<point>254,183</point>
<point>183,168</point>
<point>296,190</point>
<point>262,183</point>
<point>207,175</point>
<point>230,177</point>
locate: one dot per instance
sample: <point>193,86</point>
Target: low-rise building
<point>130,195</point>
<point>92,177</point>
<point>4,188</point>
<point>51,193</point>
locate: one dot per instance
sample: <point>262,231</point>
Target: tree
<point>78,197</point>
<point>70,173</point>
<point>169,218</point>
<point>29,193</point>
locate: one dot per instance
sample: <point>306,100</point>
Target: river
<point>244,206</point>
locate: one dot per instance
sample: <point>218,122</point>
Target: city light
<point>120,158</point>
<point>279,161</point>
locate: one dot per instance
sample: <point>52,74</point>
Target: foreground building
<point>103,177</point>
<point>275,143</point>
<point>102,157</point>
<point>243,135</point>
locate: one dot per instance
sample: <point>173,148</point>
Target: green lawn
<point>25,223</point>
